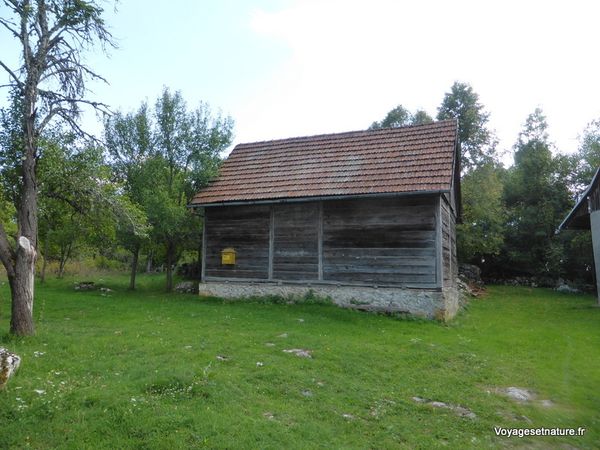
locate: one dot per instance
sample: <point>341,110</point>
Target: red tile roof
<point>417,158</point>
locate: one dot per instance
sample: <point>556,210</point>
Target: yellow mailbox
<point>228,256</point>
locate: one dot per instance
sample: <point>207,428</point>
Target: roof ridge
<point>387,130</point>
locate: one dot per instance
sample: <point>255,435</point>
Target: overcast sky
<point>285,68</point>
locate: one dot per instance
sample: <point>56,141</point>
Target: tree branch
<point>5,23</point>
<point>12,74</point>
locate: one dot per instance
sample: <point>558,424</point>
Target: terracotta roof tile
<point>393,160</point>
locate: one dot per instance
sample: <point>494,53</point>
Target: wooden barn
<point>585,215</point>
<point>366,218</point>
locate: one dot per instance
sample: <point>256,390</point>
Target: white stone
<point>519,394</point>
<point>9,363</point>
<point>299,352</point>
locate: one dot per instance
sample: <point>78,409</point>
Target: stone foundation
<point>441,304</point>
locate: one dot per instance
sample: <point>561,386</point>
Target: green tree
<point>477,142</point>
<point>188,146</point>
<point>163,157</point>
<point>401,117</point>
<point>49,83</point>
<point>537,198</point>
<point>128,142</point>
<point>481,233</point>
<point>80,206</point>
<point>587,157</point>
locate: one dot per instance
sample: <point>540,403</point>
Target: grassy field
<point>150,370</point>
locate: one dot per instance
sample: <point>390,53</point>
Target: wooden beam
<point>203,268</point>
<point>438,243</point>
<point>320,240</point>
<point>595,230</point>
<point>271,242</point>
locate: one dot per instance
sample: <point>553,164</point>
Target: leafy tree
<point>477,142</point>
<point>481,234</point>
<point>537,199</point>
<point>400,117</point>
<point>188,145</point>
<point>129,146</point>
<point>49,83</point>
<point>163,157</point>
<point>80,207</point>
<point>587,157</point>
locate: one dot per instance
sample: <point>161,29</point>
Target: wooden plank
<point>271,241</point>
<point>237,274</point>
<point>353,252</point>
<point>203,262</point>
<point>292,266</point>
<point>320,242</point>
<point>381,268</point>
<point>383,261</point>
<point>295,241</point>
<point>438,244</point>
<point>380,278</point>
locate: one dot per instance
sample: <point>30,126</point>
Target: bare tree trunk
<point>21,323</point>
<point>170,258</point>
<point>134,267</point>
<point>21,286</point>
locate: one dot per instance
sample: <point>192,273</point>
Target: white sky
<point>285,68</point>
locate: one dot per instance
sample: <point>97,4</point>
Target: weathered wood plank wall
<point>383,241</point>
<point>450,261</point>
<point>296,243</point>
<point>246,229</point>
<point>380,241</point>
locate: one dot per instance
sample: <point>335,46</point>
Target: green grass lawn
<point>151,370</point>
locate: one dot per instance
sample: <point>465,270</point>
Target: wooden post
<point>595,227</point>
<point>203,268</point>
<point>439,251</point>
<point>271,241</point>
<point>320,241</point>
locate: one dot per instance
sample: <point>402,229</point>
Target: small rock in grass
<point>320,383</point>
<point>268,415</point>
<point>39,391</point>
<point>222,358</point>
<point>547,403</point>
<point>518,394</point>
<point>307,393</point>
<point>438,404</point>
<point>459,410</point>
<point>259,364</point>
<point>348,416</point>
<point>300,320</point>
<point>269,344</point>
<point>283,335</point>
<point>9,363</point>
<point>464,412</point>
<point>302,353</point>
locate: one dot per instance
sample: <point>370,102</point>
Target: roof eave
<point>318,198</point>
<point>565,223</point>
